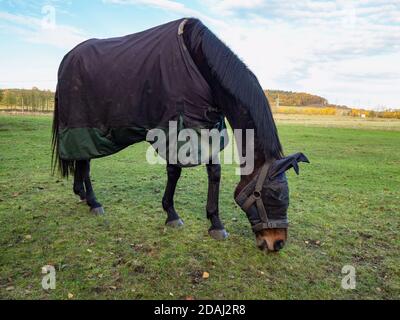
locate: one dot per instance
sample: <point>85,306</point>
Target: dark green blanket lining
<point>90,143</point>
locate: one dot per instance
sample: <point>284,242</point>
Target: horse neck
<point>239,118</point>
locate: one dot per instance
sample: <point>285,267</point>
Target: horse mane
<point>236,78</point>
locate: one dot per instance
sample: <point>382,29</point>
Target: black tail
<point>65,167</point>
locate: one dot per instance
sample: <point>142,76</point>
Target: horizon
<point>346,52</point>
<point>270,100</point>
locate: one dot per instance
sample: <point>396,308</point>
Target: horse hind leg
<point>79,188</point>
<point>83,167</point>
<point>173,174</point>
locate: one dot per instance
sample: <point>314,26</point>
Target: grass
<point>344,211</point>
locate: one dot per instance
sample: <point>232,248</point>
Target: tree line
<point>296,99</point>
<point>30,100</point>
<point>35,100</point>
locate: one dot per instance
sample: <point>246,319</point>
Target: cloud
<point>368,80</point>
<point>170,6</point>
<point>228,7</point>
<point>315,46</point>
<point>347,51</point>
<point>41,31</point>
<point>160,4</point>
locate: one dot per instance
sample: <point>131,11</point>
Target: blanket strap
<point>181,27</point>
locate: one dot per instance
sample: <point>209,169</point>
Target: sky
<point>346,51</point>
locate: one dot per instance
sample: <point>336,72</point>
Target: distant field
<point>344,211</point>
<point>304,119</point>
<point>339,121</point>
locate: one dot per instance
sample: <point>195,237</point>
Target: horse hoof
<point>97,211</point>
<point>80,201</point>
<point>174,223</point>
<point>218,234</point>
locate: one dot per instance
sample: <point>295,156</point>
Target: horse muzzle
<point>250,200</point>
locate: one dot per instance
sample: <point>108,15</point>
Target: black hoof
<point>174,223</point>
<point>97,211</point>
<point>218,234</point>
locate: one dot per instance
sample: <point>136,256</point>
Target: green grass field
<point>344,211</point>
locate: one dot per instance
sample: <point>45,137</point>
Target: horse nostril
<point>278,245</point>
<point>263,245</point>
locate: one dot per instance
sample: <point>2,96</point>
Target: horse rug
<point>111,92</point>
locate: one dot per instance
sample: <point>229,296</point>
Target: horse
<point>110,92</point>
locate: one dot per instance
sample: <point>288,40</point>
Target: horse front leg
<point>83,172</point>
<point>173,174</point>
<point>217,230</point>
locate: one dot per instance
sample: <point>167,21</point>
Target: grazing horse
<point>111,92</point>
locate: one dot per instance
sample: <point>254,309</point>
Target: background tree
<point>297,99</point>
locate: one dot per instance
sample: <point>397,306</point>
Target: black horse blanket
<point>110,92</point>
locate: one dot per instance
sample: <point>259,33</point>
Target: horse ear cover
<point>284,164</point>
